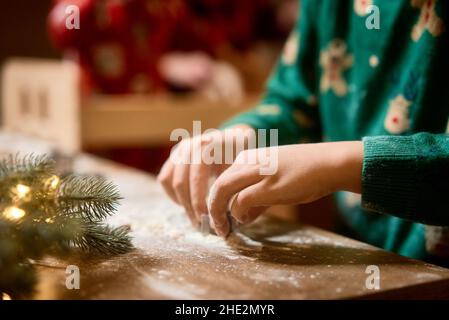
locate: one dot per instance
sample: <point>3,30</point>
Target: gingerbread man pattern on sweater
<point>335,60</point>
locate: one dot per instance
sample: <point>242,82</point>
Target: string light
<point>13,213</point>
<point>49,220</point>
<point>6,296</point>
<point>21,192</point>
<point>52,183</point>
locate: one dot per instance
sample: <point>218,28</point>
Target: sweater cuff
<point>389,175</point>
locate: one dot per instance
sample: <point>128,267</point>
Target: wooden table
<point>270,259</point>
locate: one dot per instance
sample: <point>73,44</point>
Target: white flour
<point>307,238</point>
<point>166,224</point>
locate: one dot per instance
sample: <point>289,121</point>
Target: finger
<point>230,182</point>
<point>182,190</point>
<point>199,183</point>
<point>200,173</point>
<point>254,213</point>
<point>249,203</point>
<point>165,178</point>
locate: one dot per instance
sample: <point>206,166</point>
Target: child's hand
<point>187,183</point>
<point>305,173</point>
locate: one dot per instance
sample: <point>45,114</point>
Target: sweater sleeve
<point>408,177</point>
<point>289,104</point>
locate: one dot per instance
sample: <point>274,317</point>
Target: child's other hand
<point>304,173</point>
<point>187,182</point>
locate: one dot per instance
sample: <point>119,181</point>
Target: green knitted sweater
<point>341,79</point>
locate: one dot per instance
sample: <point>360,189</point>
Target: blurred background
<point>220,49</point>
<point>23,30</point>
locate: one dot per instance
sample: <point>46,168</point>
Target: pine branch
<point>40,214</point>
<point>28,165</point>
<point>91,197</point>
<point>102,239</point>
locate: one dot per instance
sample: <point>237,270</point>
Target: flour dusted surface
<point>269,259</point>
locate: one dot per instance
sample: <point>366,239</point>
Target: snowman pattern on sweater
<point>428,19</point>
<point>361,6</point>
<point>397,120</point>
<point>335,60</point>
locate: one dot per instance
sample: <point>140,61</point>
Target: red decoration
<point>120,42</point>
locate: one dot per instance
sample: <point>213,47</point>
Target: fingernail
<point>223,231</point>
<point>215,227</point>
<point>219,232</point>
